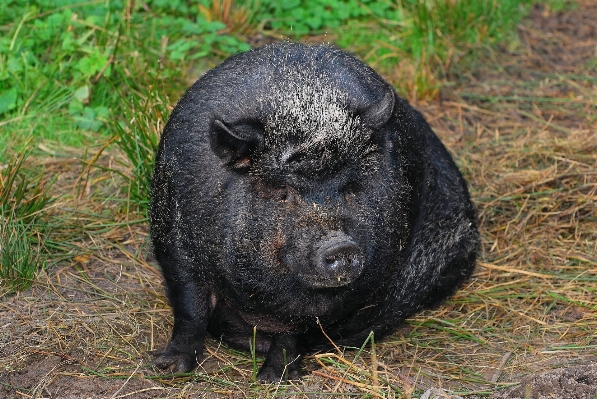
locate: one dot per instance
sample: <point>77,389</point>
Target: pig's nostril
<point>341,260</point>
<point>331,262</point>
<point>336,262</point>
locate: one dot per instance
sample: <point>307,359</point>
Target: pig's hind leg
<point>445,238</point>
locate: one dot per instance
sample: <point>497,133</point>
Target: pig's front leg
<point>283,360</point>
<point>191,306</point>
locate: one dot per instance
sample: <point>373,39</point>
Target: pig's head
<point>311,197</point>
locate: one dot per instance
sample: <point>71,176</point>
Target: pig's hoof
<point>294,375</point>
<point>269,374</point>
<point>174,361</point>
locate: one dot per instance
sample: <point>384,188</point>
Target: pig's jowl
<point>295,192</point>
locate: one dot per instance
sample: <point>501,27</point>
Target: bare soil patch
<point>522,127</point>
<point>576,382</point>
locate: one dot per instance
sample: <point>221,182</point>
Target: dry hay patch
<point>77,322</point>
<point>525,135</point>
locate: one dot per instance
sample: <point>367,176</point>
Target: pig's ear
<point>378,114</point>
<point>236,143</point>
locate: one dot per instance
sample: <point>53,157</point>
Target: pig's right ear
<point>235,144</point>
<point>378,114</point>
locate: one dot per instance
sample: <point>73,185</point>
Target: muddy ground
<point>86,327</point>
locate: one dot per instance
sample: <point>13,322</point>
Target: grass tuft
<point>237,18</point>
<point>23,200</point>
<point>20,258</point>
<point>145,117</point>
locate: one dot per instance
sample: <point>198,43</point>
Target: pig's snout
<point>337,261</point>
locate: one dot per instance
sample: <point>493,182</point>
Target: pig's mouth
<point>321,283</point>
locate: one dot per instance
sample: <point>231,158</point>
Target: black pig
<point>296,193</point>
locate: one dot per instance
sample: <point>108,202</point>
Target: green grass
<point>19,256</point>
<point>67,67</point>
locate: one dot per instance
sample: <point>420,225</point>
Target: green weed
<point>302,17</point>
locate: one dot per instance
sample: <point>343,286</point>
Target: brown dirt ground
<point>523,128</point>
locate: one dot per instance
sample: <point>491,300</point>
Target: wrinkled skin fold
<point>295,192</point>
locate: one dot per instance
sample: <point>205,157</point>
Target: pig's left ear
<point>236,143</point>
<point>378,114</point>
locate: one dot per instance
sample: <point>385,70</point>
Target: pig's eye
<point>350,190</point>
<point>241,163</point>
<point>284,193</point>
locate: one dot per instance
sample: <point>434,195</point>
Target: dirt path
<point>523,128</point>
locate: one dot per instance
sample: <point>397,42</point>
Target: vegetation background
<point>86,87</point>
